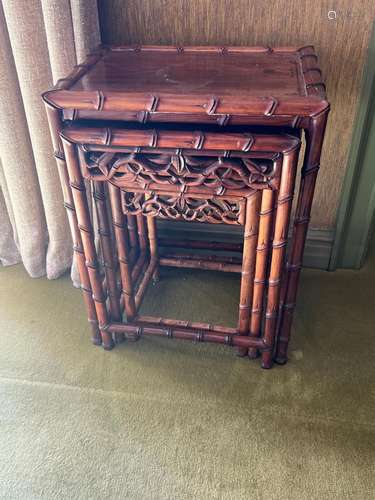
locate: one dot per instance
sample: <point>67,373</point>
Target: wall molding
<point>318,249</point>
<point>319,242</point>
<point>357,205</point>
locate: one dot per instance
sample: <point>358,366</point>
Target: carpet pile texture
<point>166,419</point>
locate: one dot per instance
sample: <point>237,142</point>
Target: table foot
<point>253,353</point>
<point>267,360</point>
<point>96,337</point>
<point>108,343</point>
<point>266,366</point>
<point>156,277</point>
<point>281,360</point>
<point>241,352</point>
<point>119,338</point>
<point>131,338</point>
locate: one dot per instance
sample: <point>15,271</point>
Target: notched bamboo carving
<point>184,171</point>
<point>214,210</point>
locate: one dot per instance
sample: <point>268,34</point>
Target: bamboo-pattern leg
<point>99,195</point>
<point>122,249</point>
<point>116,262</point>
<point>248,264</point>
<point>133,240</point>
<point>54,120</point>
<point>141,259</point>
<point>280,240</point>
<point>87,235</point>
<point>314,141</point>
<point>153,240</point>
<point>262,259</point>
<point>142,234</point>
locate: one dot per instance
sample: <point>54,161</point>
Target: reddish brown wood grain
<point>123,251</point>
<point>55,124</point>
<point>78,190</point>
<point>253,203</point>
<point>266,220</point>
<point>157,82</point>
<point>181,138</point>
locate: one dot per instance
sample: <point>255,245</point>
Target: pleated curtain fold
<point>40,41</point>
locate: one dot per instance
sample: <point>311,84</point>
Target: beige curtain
<point>40,41</point>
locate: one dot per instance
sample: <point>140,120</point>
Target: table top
<point>215,81</point>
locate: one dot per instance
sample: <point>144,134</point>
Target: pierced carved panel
<point>181,207</point>
<point>181,171</point>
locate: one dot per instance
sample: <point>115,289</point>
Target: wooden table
<point>223,148</point>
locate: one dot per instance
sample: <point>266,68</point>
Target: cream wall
<point>341,44</point>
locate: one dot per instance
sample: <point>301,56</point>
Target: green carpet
<point>162,419</point>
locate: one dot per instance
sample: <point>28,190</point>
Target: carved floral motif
<point>181,170</point>
<point>215,210</point>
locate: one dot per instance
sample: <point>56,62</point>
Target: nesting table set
<point>201,134</point>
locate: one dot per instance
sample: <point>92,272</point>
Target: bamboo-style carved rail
<point>140,139</point>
